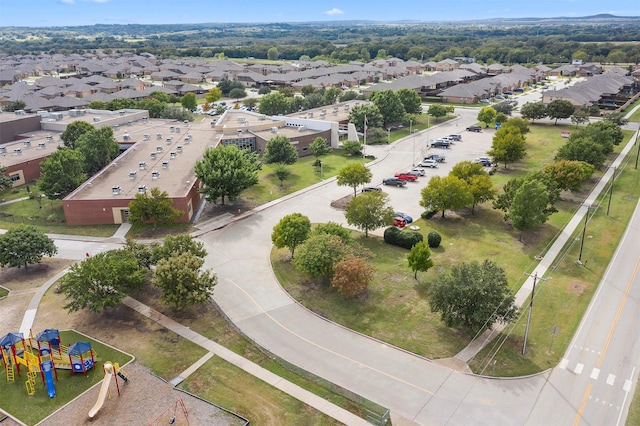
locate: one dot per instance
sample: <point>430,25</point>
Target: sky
<point>45,13</point>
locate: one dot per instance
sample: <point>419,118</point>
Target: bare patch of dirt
<point>341,204</point>
<point>235,208</point>
<point>576,287</point>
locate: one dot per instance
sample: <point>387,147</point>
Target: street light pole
<point>413,161</point>
<point>526,330</point>
<point>613,180</point>
<point>584,231</point>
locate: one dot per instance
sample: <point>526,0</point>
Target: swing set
<point>170,414</point>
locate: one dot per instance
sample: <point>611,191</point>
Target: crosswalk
<point>594,374</point>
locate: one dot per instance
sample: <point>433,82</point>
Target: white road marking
<point>627,385</point>
<point>579,368</point>
<point>563,363</point>
<point>611,379</point>
<point>595,373</point>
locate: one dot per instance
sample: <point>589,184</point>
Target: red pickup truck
<point>406,176</point>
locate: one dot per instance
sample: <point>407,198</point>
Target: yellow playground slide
<point>104,389</point>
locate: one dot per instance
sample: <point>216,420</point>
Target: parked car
<point>394,181</point>
<point>399,222</point>
<point>406,217</point>
<point>508,93</point>
<point>455,137</point>
<point>519,90</point>
<point>440,144</point>
<point>416,171</point>
<point>485,161</point>
<point>500,97</point>
<point>439,158</point>
<point>406,176</point>
<point>474,128</point>
<point>429,163</point>
<point>485,101</point>
<point>371,189</point>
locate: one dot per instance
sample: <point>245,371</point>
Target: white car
<point>429,163</point>
<point>416,171</point>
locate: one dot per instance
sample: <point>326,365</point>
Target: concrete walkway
<point>255,370</point>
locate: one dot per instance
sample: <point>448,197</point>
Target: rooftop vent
<point>310,114</point>
<point>165,164</point>
<point>115,190</point>
<point>302,128</point>
<point>169,140</point>
<point>274,130</point>
<point>3,149</point>
<point>159,148</point>
<point>155,175</point>
<point>26,143</point>
<point>179,148</point>
<point>19,112</point>
<point>126,137</point>
<point>159,136</point>
<point>172,129</point>
<point>130,122</point>
<point>177,129</point>
<point>145,137</point>
<point>121,112</point>
<point>49,138</point>
<point>116,127</point>
<point>132,175</point>
<point>173,155</point>
<point>142,165</point>
<point>42,145</point>
<point>153,155</point>
<point>142,189</point>
<point>17,151</point>
<point>96,119</point>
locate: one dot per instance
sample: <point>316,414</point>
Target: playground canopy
<point>47,335</point>
<point>79,348</point>
<point>11,339</point>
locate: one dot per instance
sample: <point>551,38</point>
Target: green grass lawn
<point>32,409</point>
<point>227,385</point>
<point>3,292</point>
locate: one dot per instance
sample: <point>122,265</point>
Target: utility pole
<point>613,180</point>
<point>533,291</point>
<point>584,230</point>
<point>636,142</point>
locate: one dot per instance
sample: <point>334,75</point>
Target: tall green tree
<point>155,207</point>
<point>419,258</point>
<point>238,93</point>
<point>213,95</point>
<point>533,111</point>
<point>101,281</point>
<point>74,130</point>
<point>472,296</point>
<point>559,108</point>
<point>280,150</point>
<point>529,207</point>
<point>353,175</point>
<point>274,103</point>
<point>410,101</point>
<point>482,190</point>
<point>487,115</point>
<point>273,54</point>
<point>182,280</point>
<point>318,254</point>
<point>508,146</point>
<point>189,102</point>
<point>389,105</point>
<point>291,231</point>
<point>436,111</point>
<point>582,149</point>
<point>5,181</point>
<point>24,245</point>
<point>226,171</point>
<point>99,147</point>
<point>372,113</point>
<point>282,173</point>
<point>61,173</point>
<point>174,245</point>
<point>154,106</point>
<point>443,193</point>
<point>569,175</point>
<point>319,148</point>
<point>369,211</point>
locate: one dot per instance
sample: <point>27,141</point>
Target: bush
<point>404,239</point>
<point>428,214</point>
<point>434,239</point>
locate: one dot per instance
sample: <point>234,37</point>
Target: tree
<point>174,245</point>
<point>352,276</point>
<point>371,112</point>
<point>466,169</point>
<point>237,93</point>
<point>353,175</point>
<point>333,228</point>
<point>307,89</point>
<point>580,116</point>
<point>101,281</point>
<point>487,115</point>
<point>331,95</point>
<point>389,105</point>
<point>189,102</point>
<point>14,106</point>
<point>74,130</point>
<point>420,258</point>
<point>559,108</point>
<point>582,149</point>
<point>569,175</point>
<point>274,104</point>
<point>61,173</point>
<point>5,181</point>
<point>99,147</point>
<point>319,148</point>
<point>24,245</point>
<point>437,111</point>
<point>273,54</point>
<point>529,207</point>
<point>156,207</point>
<point>352,147</point>
<point>444,193</point>
<point>264,90</point>
<point>250,102</point>
<point>501,118</point>
<point>318,255</point>
<point>504,107</point>
<point>154,106</point>
<point>182,282</point>
<point>213,95</point>
<point>410,100</point>
<point>508,146</point>
<point>365,55</point>
<point>226,171</point>
<point>616,118</point>
<point>369,211</point>
<point>509,190</point>
<point>282,173</point>
<point>280,150</point>
<point>291,231</point>
<point>482,190</point>
<point>473,296</point>
<point>519,123</point>
<point>533,111</point>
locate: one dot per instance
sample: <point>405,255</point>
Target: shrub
<point>404,239</point>
<point>428,214</point>
<point>434,239</point>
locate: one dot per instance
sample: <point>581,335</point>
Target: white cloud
<point>334,11</point>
